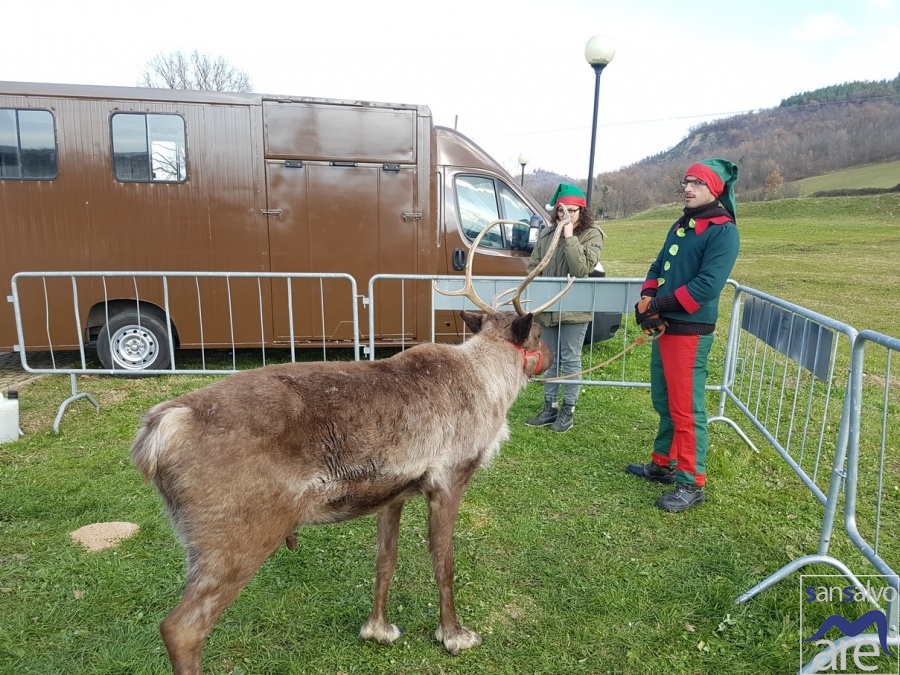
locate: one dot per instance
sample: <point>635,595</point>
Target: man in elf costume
<point>681,297</point>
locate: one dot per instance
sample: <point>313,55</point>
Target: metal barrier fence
<point>873,458</point>
<point>202,311</point>
<point>611,300</point>
<point>781,372</point>
<point>803,381</point>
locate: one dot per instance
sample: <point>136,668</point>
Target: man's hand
<point>653,324</point>
<point>640,309</point>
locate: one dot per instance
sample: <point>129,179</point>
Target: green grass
<point>563,562</point>
<point>884,175</point>
<point>833,255</point>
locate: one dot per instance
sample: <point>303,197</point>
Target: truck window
<point>482,200</point>
<point>27,144</point>
<point>149,148</point>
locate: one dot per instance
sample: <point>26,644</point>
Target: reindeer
<point>243,462</point>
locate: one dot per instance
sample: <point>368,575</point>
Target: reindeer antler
<point>468,289</point>
<point>517,298</point>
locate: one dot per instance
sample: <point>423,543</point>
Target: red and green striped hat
<point>568,194</point>
<point>720,175</point>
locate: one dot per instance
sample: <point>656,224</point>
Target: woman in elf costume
<point>577,253</point>
<point>681,297</point>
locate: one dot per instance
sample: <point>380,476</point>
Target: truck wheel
<point>134,342</point>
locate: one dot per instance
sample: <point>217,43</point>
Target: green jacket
<point>574,256</point>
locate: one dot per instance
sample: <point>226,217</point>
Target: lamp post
<point>598,52</point>
<point>523,160</point>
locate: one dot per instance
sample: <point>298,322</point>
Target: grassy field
<point>563,563</point>
<point>884,175</point>
<point>833,255</point>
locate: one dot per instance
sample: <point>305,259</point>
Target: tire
<point>133,342</point>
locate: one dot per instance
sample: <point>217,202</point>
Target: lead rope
<point>639,341</point>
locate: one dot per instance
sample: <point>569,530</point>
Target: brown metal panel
<point>86,220</point>
<point>342,219</point>
<point>340,132</point>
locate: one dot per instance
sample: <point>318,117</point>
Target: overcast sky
<point>510,74</point>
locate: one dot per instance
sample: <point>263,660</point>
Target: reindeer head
<point>520,331</point>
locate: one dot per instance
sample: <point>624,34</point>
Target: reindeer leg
<point>377,626</point>
<point>443,508</point>
<point>211,588</point>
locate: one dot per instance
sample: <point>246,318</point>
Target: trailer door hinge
<point>271,212</point>
<point>412,215</point>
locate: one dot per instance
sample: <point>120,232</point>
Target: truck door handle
<point>271,212</point>
<point>459,259</point>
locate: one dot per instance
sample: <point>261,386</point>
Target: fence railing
<point>800,380</point>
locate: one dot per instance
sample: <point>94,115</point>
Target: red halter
<point>525,354</point>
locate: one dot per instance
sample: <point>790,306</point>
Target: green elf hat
<point>720,175</point>
<point>567,194</point>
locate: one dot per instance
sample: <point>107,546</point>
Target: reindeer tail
<point>157,435</point>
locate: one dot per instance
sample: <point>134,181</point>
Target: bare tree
<point>196,71</point>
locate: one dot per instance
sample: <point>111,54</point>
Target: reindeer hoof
<point>457,640</point>
<point>385,634</point>
<point>291,542</point>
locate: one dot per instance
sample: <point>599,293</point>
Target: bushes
<point>857,192</point>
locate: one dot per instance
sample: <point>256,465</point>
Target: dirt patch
<point>13,376</point>
<point>100,536</point>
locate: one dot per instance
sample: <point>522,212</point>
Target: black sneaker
<point>565,420</point>
<point>651,471</point>
<point>547,416</point>
<point>682,498</point>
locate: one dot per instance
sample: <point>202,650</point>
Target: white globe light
<point>599,50</point>
<point>523,158</point>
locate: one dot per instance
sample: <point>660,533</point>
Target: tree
<point>197,71</point>
<point>774,182</point>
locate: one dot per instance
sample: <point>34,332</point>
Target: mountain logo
<point>854,628</point>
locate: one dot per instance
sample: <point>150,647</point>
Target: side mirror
<point>534,229</point>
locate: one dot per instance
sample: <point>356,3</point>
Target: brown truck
<point>136,179</point>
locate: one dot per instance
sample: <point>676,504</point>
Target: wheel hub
<point>134,347</point>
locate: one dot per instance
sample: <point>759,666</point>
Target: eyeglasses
<point>573,209</point>
<point>693,182</point>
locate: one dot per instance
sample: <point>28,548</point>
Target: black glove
<point>652,324</point>
<point>641,316</point>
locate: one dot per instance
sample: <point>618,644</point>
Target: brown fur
<point>243,462</point>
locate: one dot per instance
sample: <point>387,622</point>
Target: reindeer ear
<point>521,329</point>
<point>473,321</point>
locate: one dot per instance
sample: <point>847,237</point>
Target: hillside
<point>807,135</point>
<point>886,175</point>
<point>823,254</point>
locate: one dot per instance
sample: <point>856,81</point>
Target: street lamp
<point>523,160</point>
<point>598,52</point>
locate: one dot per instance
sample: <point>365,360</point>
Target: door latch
<point>459,259</point>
